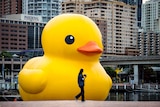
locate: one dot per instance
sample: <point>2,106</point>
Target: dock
<point>131,87</point>
<point>122,87</point>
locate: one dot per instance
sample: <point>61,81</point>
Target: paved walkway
<point>80,104</point>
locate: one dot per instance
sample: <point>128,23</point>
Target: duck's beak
<point>90,47</point>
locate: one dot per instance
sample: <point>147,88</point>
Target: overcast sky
<point>144,1</point>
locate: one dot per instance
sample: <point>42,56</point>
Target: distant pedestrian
<point>15,99</point>
<point>81,79</point>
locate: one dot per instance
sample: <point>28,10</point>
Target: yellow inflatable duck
<point>70,42</point>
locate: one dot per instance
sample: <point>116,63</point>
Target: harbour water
<point>133,96</point>
<point>113,96</point>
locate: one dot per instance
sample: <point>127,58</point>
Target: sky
<point>144,1</point>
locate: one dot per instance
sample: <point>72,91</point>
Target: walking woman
<point>81,79</point>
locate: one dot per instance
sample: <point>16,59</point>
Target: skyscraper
<point>151,16</point>
<point>45,8</point>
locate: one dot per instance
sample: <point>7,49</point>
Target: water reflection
<point>133,96</point>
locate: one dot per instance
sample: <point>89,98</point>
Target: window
<point>14,35</point>
<point>4,34</point>
<point>13,30</point>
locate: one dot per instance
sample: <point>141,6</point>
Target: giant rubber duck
<point>70,42</point>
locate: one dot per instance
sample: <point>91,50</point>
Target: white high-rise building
<point>151,16</point>
<point>45,8</point>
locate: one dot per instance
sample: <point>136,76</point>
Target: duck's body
<point>54,75</point>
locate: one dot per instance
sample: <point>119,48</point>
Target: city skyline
<point>112,36</point>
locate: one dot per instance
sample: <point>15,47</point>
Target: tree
<point>6,54</point>
<point>149,74</point>
<point>110,71</point>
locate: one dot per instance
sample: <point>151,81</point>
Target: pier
<point>122,87</point>
<point>132,87</point>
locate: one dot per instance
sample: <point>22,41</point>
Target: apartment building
<point>45,8</point>
<point>8,7</point>
<point>20,32</point>
<point>73,6</point>
<point>148,43</point>
<point>120,31</point>
<point>9,40</point>
<point>151,16</point>
<point>149,37</point>
<point>138,3</point>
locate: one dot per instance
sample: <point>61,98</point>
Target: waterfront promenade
<point>78,103</point>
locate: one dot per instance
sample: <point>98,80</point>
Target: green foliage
<point>110,71</point>
<point>149,74</point>
<point>5,54</point>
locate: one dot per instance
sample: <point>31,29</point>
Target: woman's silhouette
<point>81,79</point>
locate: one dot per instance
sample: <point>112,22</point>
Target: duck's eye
<point>69,39</point>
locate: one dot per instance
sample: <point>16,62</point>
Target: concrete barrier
<point>80,104</point>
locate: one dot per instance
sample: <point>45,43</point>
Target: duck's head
<point>72,36</point>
